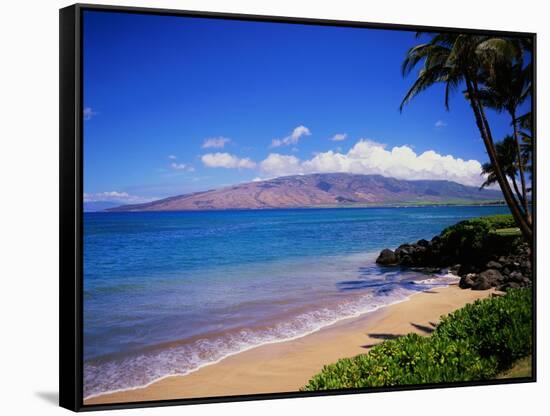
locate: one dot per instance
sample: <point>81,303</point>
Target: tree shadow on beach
<point>381,337</point>
<point>424,328</point>
<point>386,336</point>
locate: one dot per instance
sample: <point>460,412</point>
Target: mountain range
<point>322,190</point>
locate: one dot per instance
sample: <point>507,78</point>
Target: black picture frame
<point>71,204</point>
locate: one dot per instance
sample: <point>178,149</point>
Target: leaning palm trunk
<point>521,169</point>
<point>517,191</point>
<point>486,136</point>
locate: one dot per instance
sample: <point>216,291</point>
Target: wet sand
<point>287,366</point>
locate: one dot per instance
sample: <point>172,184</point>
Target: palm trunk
<point>517,191</point>
<point>486,136</point>
<point>521,168</point>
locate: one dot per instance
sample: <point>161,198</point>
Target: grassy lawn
<point>508,231</point>
<point>521,368</point>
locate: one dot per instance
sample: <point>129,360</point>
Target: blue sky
<point>176,105</point>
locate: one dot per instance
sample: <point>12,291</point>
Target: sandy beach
<point>287,366</point>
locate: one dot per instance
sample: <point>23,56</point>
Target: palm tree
<point>459,59</point>
<point>508,158</point>
<point>505,90</point>
<point>526,132</point>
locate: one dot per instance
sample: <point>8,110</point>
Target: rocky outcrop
<point>501,267</point>
<point>506,272</point>
<point>423,253</point>
<point>387,258</point>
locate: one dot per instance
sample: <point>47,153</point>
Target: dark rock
<point>387,257</point>
<point>406,260</point>
<point>423,243</point>
<point>516,277</point>
<point>403,250</point>
<point>494,265</point>
<point>466,282</point>
<point>491,276</point>
<point>481,283</point>
<point>512,285</point>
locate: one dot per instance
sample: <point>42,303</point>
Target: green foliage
<point>500,327</point>
<point>479,239</point>
<point>489,223</point>
<point>473,343</point>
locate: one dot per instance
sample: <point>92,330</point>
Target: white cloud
<point>115,196</point>
<point>215,142</point>
<point>440,123</point>
<point>339,137</point>
<point>281,165</point>
<point>369,157</point>
<point>182,167</point>
<point>293,138</point>
<point>226,160</point>
<point>172,157</point>
<point>88,113</point>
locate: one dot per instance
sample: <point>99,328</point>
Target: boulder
<point>387,257</point>
<point>510,285</point>
<point>403,250</point>
<point>492,276</point>
<point>467,281</point>
<point>423,243</point>
<point>406,260</point>
<point>516,277</point>
<point>494,265</point>
<point>481,283</point>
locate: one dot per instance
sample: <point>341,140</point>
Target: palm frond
<point>426,78</point>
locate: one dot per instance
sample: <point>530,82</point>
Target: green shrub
<point>473,343</point>
<point>499,327</point>
<point>477,238</point>
<point>490,223</point>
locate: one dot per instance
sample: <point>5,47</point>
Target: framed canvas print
<point>256,207</point>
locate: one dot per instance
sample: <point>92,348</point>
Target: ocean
<point>166,293</point>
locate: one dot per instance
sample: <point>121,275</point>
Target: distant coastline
<point>355,206</point>
<point>328,190</point>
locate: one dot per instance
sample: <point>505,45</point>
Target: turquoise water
<point>166,293</point>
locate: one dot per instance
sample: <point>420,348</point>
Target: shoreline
<point>287,365</point>
<point>318,207</point>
